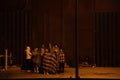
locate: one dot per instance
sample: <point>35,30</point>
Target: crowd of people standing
<point>44,60</point>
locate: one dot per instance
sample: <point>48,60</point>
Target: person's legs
<point>41,70</point>
<point>62,67</point>
<point>31,65</point>
<point>3,63</point>
<point>46,72</point>
<point>37,68</point>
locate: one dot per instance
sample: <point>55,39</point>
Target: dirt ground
<point>15,72</point>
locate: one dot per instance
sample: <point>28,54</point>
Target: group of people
<point>46,60</point>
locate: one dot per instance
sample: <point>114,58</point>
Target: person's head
<point>56,45</point>
<point>46,50</point>
<point>42,50</point>
<point>61,50</point>
<point>43,46</point>
<point>28,48</point>
<point>56,50</point>
<point>36,49</point>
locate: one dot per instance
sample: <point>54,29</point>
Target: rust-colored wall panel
<point>86,28</point>
<point>107,5</point>
<point>38,22</point>
<point>54,23</point>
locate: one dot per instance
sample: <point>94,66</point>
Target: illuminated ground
<point>84,72</point>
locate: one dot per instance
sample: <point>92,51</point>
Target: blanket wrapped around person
<point>50,63</point>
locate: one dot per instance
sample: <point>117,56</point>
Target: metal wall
<point>15,29</point>
<point>107,38</point>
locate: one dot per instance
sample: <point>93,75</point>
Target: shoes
<point>46,73</point>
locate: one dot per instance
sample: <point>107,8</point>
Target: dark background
<point>37,22</point>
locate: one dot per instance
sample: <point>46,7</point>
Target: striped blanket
<point>50,62</point>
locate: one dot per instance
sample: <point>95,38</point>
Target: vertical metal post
<point>76,40</point>
<point>94,33</point>
<point>6,61</point>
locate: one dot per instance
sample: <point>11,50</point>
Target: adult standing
<point>29,63</point>
<point>61,61</point>
<point>49,62</point>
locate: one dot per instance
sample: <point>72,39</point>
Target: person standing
<point>49,63</point>
<point>41,61</point>
<point>61,61</point>
<point>36,58</point>
<point>56,51</point>
<point>29,63</point>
